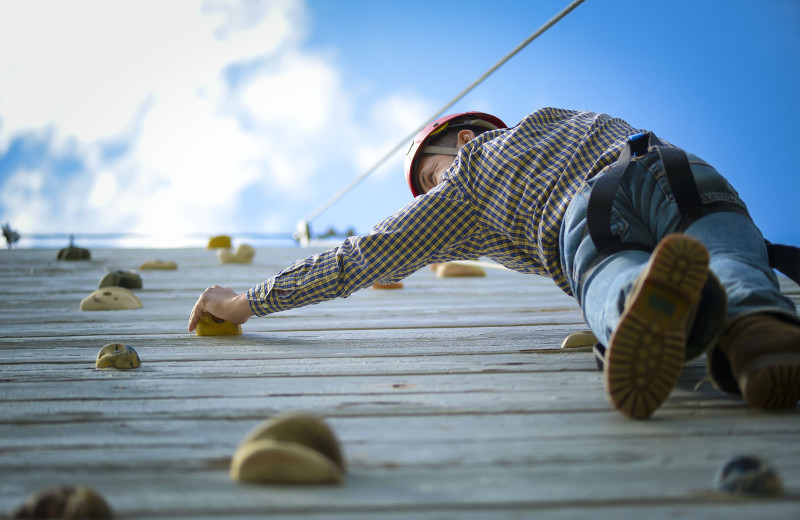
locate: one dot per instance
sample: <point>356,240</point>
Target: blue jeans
<point>644,211</point>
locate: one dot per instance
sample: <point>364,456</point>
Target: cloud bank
<point>172,118</point>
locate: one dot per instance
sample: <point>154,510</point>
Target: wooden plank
<point>139,494</point>
<point>333,343</point>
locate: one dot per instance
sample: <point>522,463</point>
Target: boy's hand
<point>221,302</point>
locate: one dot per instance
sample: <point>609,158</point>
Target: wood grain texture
<point>451,399</point>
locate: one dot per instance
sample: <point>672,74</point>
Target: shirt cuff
<point>257,298</point>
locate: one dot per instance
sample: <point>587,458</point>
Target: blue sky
<point>182,118</point>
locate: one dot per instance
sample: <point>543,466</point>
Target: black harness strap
<point>601,198</point>
<point>785,259</point>
<point>681,180</point>
<point>678,172</point>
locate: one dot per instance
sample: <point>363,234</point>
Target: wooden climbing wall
<point>451,399</point>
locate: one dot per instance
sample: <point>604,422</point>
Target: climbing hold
<point>118,278</point>
<point>219,241</point>
<point>74,253</point>
<point>212,326</point>
<point>748,475</point>
<point>74,502</point>
<point>158,264</point>
<point>581,338</point>
<point>244,255</point>
<point>111,299</point>
<point>394,285</point>
<point>276,462</point>
<point>289,448</point>
<point>452,269</point>
<point>117,355</point>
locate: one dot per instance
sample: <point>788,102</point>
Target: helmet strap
<point>440,150</point>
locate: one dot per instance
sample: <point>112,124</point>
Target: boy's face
<point>431,168</point>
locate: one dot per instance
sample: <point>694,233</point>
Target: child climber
<point>655,245</point>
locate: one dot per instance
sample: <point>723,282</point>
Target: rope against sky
<point>302,231</point>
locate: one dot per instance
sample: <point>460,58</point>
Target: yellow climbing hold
<point>219,241</point>
<point>158,264</point>
<point>211,326</point>
<point>117,355</point>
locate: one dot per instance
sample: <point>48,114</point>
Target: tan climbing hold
<point>211,326</point>
<point>394,285</point>
<point>117,355</point>
<point>276,462</point>
<point>583,338</point>
<point>219,241</point>
<point>244,255</point>
<point>452,269</point>
<point>290,448</point>
<point>74,502</point>
<point>158,264</point>
<point>111,299</point>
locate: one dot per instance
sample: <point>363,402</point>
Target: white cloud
<point>154,76</point>
<point>85,66</point>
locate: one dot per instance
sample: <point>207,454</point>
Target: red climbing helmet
<point>417,149</point>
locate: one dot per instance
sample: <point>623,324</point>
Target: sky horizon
<point>227,116</point>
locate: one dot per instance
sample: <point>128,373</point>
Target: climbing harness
<point>681,181</point>
<point>678,173</point>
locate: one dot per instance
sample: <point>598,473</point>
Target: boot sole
<point>647,350</point>
<point>772,381</point>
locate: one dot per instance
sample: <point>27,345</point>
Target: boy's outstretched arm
<point>221,302</point>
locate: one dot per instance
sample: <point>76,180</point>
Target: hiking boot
<point>763,361</point>
<point>706,327</point>
<point>647,350</point>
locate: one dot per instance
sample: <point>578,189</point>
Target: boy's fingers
<point>194,317</point>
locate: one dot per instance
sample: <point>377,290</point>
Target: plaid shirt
<point>504,197</point>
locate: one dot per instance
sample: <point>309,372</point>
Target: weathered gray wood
<point>450,397</point>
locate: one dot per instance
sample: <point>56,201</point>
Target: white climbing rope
<point>302,233</point>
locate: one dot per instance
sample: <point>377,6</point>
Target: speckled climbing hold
<point>158,264</point>
<point>289,448</point>
<point>117,355</point>
<point>73,502</point>
<point>219,241</point>
<point>211,326</point>
<point>244,255</point>
<point>748,475</point>
<point>452,269</point>
<point>581,338</point>
<point>393,285</point>
<point>74,253</point>
<point>111,299</point>
<point>118,278</point>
